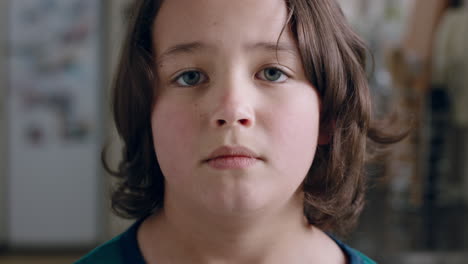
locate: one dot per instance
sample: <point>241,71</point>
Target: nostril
<point>244,121</point>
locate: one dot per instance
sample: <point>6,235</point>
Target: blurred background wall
<point>54,117</point>
<point>3,139</point>
<point>417,204</point>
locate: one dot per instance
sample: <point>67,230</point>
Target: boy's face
<point>235,93</point>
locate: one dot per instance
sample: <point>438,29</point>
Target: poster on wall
<point>54,121</point>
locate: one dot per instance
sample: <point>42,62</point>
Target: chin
<point>239,203</point>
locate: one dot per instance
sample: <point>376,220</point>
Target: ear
<point>326,132</point>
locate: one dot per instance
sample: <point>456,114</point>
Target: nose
<point>233,107</point>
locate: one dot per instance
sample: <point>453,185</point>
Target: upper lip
<point>232,151</point>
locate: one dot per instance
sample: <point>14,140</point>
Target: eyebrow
<point>182,48</point>
<point>192,47</point>
<point>274,47</point>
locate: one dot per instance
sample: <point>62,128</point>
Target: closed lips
<point>232,152</point>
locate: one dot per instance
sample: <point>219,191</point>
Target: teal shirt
<point>124,249</point>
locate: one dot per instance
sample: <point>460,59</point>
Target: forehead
<point>220,23</point>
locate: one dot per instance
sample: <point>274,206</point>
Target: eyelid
<point>286,70</point>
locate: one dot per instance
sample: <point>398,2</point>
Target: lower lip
<point>232,162</point>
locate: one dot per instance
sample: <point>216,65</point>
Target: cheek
<point>294,131</point>
<point>174,131</point>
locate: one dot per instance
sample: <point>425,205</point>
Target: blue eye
<point>273,75</point>
<point>190,78</point>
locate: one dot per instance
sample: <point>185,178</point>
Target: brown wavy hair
<point>334,59</point>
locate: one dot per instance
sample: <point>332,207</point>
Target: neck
<point>258,237</point>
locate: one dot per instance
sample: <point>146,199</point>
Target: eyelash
<point>175,79</point>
